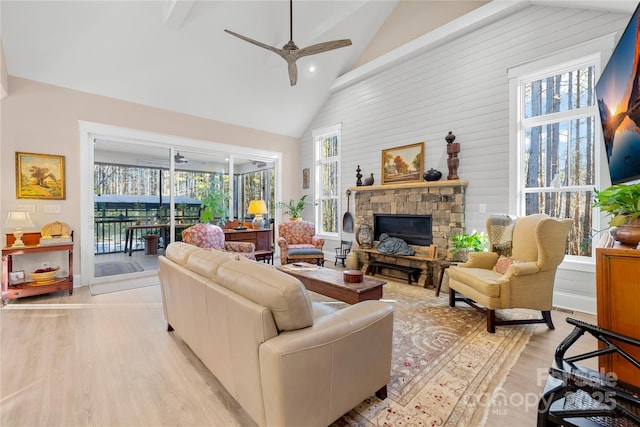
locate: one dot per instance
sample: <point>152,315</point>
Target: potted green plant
<point>622,203</point>
<point>463,243</point>
<point>214,207</point>
<point>294,209</point>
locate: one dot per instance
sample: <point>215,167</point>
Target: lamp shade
<point>257,207</point>
<point>18,219</point>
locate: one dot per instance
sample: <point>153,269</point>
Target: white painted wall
<point>41,118</point>
<point>459,84</point>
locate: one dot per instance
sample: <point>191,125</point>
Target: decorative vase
<point>450,137</point>
<point>352,260</point>
<point>369,180</point>
<point>364,236</point>
<point>627,234</point>
<point>432,175</point>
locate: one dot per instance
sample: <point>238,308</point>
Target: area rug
<point>113,268</point>
<point>445,367</point>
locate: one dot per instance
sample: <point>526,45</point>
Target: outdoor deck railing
<point>109,234</point>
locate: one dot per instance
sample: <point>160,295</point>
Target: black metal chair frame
<point>575,395</point>
<point>343,251</point>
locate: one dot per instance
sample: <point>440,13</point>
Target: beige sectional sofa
<point>288,361</point>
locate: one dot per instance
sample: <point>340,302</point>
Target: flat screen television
<point>618,94</point>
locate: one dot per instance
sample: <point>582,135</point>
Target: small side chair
<point>343,251</point>
<point>298,242</point>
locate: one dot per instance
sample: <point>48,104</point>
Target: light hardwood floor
<point>108,360</point>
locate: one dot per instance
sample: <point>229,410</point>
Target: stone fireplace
<point>443,200</point>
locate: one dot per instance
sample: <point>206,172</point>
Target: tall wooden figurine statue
<point>453,148</point>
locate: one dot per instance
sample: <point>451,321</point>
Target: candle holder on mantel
<point>453,148</point>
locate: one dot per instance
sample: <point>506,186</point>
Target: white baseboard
<point>574,302</point>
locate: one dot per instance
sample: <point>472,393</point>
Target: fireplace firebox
<point>413,229</point>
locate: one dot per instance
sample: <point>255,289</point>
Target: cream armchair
<point>518,272</point>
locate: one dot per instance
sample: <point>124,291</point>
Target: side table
<point>264,256</point>
<point>28,288</point>
<point>440,265</point>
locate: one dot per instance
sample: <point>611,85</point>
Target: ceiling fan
<point>179,158</point>
<point>290,52</point>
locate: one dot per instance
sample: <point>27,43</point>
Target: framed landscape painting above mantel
<point>403,164</point>
<point>40,176</point>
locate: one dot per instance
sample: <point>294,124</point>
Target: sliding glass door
<point>131,220</point>
<point>140,190</point>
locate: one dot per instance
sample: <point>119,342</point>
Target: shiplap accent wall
<point>459,85</point>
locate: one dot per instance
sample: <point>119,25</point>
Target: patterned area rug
<point>445,364</point>
<point>116,267</point>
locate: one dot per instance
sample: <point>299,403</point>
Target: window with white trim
<point>327,184</point>
<point>558,138</point>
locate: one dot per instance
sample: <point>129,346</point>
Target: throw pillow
<point>503,264</point>
<point>503,249</point>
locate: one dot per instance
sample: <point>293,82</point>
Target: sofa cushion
<point>179,252</point>
<point>206,262</point>
<point>301,246</point>
<point>304,251</point>
<point>485,281</point>
<point>283,294</point>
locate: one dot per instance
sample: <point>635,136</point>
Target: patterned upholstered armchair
<point>298,242</point>
<point>211,236</point>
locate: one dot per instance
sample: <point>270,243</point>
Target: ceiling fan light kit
<point>290,52</point>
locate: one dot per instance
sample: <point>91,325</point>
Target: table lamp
<point>257,208</point>
<point>18,220</point>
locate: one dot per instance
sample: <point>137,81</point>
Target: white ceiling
<point>174,54</point>
<point>180,59</point>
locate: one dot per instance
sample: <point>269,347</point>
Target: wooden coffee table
<point>331,283</point>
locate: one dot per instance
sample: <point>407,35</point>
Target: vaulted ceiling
<point>174,54</point>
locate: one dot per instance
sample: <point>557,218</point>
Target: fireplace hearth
<point>413,229</point>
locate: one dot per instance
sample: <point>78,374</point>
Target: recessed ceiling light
<point>312,69</point>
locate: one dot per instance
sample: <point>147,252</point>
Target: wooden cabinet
<point>259,237</point>
<point>29,288</point>
<point>618,292</point>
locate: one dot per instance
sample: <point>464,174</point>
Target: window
<point>256,185</point>
<point>556,157</point>
<point>327,146</point>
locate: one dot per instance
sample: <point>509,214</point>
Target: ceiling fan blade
<point>255,42</point>
<point>293,72</point>
<point>322,47</point>
<point>290,51</point>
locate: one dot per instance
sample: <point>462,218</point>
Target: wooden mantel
<point>416,184</point>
